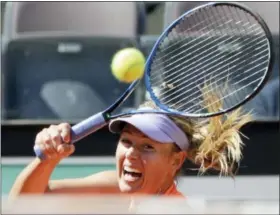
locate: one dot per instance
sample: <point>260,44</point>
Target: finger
<point>42,141</point>
<point>65,129</point>
<point>50,151</point>
<point>66,149</point>
<point>47,142</point>
<point>45,137</point>
<point>47,150</point>
<point>55,136</point>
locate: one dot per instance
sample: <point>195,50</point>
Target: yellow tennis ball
<point>128,65</point>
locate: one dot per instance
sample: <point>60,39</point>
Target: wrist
<point>51,162</point>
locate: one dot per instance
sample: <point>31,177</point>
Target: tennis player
<point>149,155</point>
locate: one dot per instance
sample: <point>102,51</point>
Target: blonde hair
<point>215,143</point>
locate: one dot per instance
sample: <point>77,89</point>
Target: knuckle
<point>47,148</point>
<point>65,125</point>
<point>52,127</point>
<point>50,149</point>
<point>55,136</point>
<point>65,128</point>
<point>46,139</point>
<point>42,137</point>
<point>44,131</point>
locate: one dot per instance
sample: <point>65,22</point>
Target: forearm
<point>102,182</point>
<point>34,178</point>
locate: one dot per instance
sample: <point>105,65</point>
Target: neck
<point>165,187</point>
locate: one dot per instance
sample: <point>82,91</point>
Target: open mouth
<point>131,174</point>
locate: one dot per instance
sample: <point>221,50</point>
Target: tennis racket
<point>209,61</point>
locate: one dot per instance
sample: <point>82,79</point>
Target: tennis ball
<point>128,65</point>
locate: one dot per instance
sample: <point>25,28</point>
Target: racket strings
<point>191,89</point>
<point>185,31</point>
<point>201,35</point>
<point>175,105</point>
<point>157,72</point>
<point>193,78</point>
<point>192,74</point>
<point>218,100</point>
<point>201,53</point>
<point>175,79</point>
<point>217,46</point>
<point>244,88</point>
<point>187,44</point>
<point>201,47</point>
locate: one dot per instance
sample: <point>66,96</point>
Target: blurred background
<point>55,66</point>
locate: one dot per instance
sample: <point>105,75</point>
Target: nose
<point>132,153</point>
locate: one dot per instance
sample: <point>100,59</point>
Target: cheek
<point>156,166</point>
<point>120,156</point>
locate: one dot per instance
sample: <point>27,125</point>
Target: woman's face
<point>144,165</point>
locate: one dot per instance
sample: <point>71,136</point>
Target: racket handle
<point>81,130</point>
<point>87,127</point>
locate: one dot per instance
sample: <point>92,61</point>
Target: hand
<point>54,141</point>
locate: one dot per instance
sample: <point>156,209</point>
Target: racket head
<point>155,66</point>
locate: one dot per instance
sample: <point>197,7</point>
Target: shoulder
<point>106,177</point>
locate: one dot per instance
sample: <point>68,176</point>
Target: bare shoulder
<point>105,177</point>
<point>102,182</point>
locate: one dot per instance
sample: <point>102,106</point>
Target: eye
<point>148,147</point>
<point>126,142</point>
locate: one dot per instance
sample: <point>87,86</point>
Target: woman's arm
<point>54,142</point>
<point>35,179</point>
<point>102,182</point>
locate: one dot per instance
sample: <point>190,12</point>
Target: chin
<point>126,188</point>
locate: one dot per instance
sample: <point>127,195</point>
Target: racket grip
<point>87,127</point>
<point>80,130</point>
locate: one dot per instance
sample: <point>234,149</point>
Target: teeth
<point>128,169</point>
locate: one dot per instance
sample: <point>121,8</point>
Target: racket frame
<point>174,24</point>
